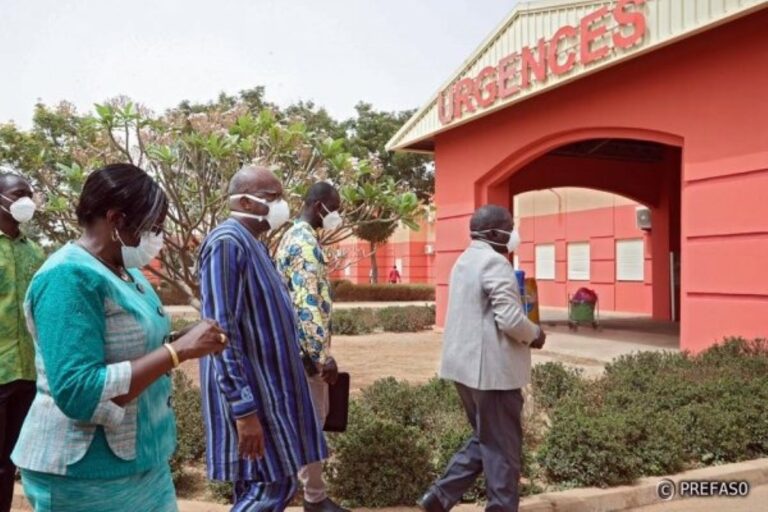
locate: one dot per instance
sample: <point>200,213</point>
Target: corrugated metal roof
<point>666,21</point>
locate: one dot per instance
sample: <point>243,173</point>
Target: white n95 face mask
<point>142,255</point>
<point>22,209</point>
<point>514,241</point>
<point>512,244</point>
<point>278,213</point>
<point>332,219</point>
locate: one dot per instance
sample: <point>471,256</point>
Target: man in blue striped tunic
<point>260,422</point>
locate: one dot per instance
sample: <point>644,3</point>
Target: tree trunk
<point>374,265</point>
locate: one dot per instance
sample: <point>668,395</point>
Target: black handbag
<point>338,396</point>
<point>338,405</point>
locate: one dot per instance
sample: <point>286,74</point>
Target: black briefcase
<point>338,405</point>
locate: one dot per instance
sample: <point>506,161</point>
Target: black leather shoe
<point>327,505</point>
<point>430,503</point>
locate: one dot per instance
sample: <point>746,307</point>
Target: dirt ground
<point>408,356</point>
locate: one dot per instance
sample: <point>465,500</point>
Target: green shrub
<point>552,381</point>
<point>190,431</point>
<point>221,492</point>
<point>730,426</point>
<point>657,440</point>
<point>357,321</point>
<point>354,321</point>
<point>395,401</point>
<point>745,357</point>
<point>378,463</point>
<point>344,284</point>
<point>345,291</point>
<point>440,394</point>
<point>406,318</point>
<point>718,397</point>
<point>587,446</point>
<point>434,409</point>
<point>656,413</point>
<point>433,412</point>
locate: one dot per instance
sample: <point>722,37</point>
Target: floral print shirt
<point>300,259</point>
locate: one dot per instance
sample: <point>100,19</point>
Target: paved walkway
<point>619,334</point>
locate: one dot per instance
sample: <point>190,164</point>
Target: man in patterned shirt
<point>301,260</point>
<point>19,260</point>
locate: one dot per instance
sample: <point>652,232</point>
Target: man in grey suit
<point>487,354</point>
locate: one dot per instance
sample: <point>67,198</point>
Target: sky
<point>392,53</point>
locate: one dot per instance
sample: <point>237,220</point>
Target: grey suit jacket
<point>485,343</point>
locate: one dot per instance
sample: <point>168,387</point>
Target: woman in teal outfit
<point>101,429</point>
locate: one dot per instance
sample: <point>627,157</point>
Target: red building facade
<point>675,122</point>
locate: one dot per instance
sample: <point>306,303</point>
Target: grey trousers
<point>311,476</point>
<point>494,449</point>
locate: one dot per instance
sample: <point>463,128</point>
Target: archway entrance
<point>632,249</point>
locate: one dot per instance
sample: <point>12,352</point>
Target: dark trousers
<point>494,449</point>
<point>15,399</point>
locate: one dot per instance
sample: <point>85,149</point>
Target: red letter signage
<point>598,33</point>
<point>445,112</point>
<point>463,92</point>
<point>564,34</point>
<point>507,75</point>
<point>529,63</point>
<point>627,18</point>
<point>589,34</point>
<point>486,83</point>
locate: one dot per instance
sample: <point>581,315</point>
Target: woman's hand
<point>205,337</point>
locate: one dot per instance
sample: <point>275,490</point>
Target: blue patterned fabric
<point>150,491</point>
<point>260,371</point>
<point>261,497</point>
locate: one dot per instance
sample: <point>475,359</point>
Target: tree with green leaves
<point>369,133</point>
<point>193,151</point>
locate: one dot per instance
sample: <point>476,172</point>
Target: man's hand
<point>539,342</point>
<point>330,372</point>
<point>250,437</point>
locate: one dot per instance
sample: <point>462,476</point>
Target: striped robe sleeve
<point>221,274</point>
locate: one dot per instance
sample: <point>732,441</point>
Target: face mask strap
<point>256,199</point>
<point>249,215</point>
<point>499,244</point>
<point>7,210</point>
<point>480,233</point>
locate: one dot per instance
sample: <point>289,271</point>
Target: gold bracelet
<point>173,353</point>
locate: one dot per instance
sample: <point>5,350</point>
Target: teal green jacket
<point>87,325</point>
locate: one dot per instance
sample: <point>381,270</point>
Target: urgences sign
<point>586,44</point>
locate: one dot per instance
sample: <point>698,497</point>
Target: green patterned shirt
<point>19,260</point>
<point>301,260</point>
